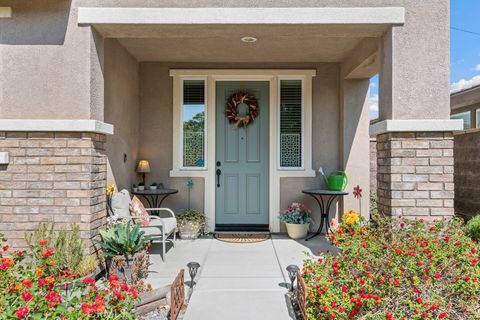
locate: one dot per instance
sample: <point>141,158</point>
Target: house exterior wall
<point>122,109</point>
<point>43,37</point>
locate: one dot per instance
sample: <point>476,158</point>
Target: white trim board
<point>208,173</point>
<point>94,126</point>
<point>415,126</point>
<point>294,15</point>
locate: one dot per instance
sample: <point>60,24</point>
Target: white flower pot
<point>141,188</point>
<point>297,231</point>
<point>188,231</point>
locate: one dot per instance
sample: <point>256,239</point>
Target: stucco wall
<point>46,65</point>
<point>122,109</point>
<point>50,67</point>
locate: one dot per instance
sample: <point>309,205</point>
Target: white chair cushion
<point>121,204</point>
<point>152,230</point>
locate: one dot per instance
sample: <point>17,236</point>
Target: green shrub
<point>472,228</point>
<point>400,269</point>
<point>67,245</point>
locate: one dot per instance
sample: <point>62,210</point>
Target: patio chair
<point>159,228</point>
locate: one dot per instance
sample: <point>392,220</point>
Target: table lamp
<point>143,167</point>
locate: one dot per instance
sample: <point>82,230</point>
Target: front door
<point>242,159</point>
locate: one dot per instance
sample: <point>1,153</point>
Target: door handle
<point>218,172</point>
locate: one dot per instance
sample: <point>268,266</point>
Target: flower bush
<point>398,269</point>
<point>30,289</point>
<point>472,228</point>
<point>297,213</point>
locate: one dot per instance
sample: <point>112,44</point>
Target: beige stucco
<point>122,109</point>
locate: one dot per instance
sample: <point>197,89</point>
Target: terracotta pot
<point>297,231</point>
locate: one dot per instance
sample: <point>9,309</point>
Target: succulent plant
<point>123,239</point>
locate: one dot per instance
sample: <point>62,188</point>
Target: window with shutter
<point>193,118</point>
<point>291,122</point>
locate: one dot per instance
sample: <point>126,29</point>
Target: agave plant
<point>123,239</point>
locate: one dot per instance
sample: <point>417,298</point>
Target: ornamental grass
<point>395,269</point>
<point>31,288</point>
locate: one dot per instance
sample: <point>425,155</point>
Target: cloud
<point>465,84</point>
<point>372,102</point>
<point>477,67</point>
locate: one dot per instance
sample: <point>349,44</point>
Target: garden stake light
<point>292,274</point>
<point>192,270</point>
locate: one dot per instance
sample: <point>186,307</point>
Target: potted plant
<point>297,219</point>
<point>134,187</point>
<point>153,186</point>
<point>119,245</point>
<point>191,224</point>
<point>141,186</point>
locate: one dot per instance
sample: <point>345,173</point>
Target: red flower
<point>89,281</point>
<point>389,315</point>
<point>27,296</point>
<point>47,253</point>
<point>27,283</point>
<point>88,308</point>
<point>21,312</point>
<point>5,247</point>
<point>473,250</point>
<point>443,315</point>
<point>447,238</point>
<point>438,275</point>
<point>54,298</point>
<point>43,242</point>
<point>113,277</point>
<point>344,289</point>
<point>119,295</point>
<point>19,253</point>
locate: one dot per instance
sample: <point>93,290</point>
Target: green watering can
<point>336,181</point>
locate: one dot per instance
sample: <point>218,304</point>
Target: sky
<point>464,50</point>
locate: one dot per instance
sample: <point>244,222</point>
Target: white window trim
<point>304,130</point>
<point>275,174</point>
<point>205,155</point>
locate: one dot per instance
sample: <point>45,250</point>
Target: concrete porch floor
<point>236,281</point>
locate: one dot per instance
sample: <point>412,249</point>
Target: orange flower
<point>39,272</point>
<point>43,242</point>
<point>51,262</point>
<point>7,261</point>
<point>50,279</point>
<point>18,286</point>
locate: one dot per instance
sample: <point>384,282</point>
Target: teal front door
<point>242,159</point>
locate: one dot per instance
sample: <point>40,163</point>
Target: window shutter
<point>193,92</point>
<point>290,123</point>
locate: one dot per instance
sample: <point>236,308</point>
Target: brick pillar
<point>52,176</point>
<point>415,174</point>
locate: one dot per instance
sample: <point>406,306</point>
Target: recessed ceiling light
<point>249,39</point>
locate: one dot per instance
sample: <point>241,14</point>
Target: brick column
<point>52,176</point>
<point>415,174</point>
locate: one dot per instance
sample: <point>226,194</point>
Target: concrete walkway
<point>236,281</point>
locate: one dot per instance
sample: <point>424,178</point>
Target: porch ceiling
<point>221,43</point>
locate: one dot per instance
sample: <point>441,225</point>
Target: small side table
<point>318,195</point>
<point>155,197</point>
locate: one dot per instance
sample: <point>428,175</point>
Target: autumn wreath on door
<point>232,111</point>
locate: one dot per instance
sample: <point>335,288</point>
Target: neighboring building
<point>88,88</point>
<point>465,105</point>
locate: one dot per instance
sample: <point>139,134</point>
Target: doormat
<point>242,237</point>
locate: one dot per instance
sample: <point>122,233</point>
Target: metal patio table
<point>319,195</point>
<point>155,197</point>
